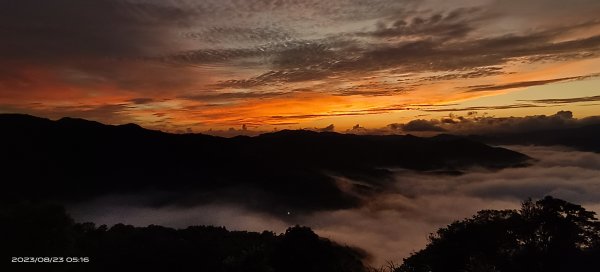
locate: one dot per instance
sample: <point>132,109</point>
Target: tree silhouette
<point>46,230</point>
<point>546,235</point>
<point>301,250</point>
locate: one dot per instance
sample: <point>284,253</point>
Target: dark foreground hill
<point>74,159</point>
<point>40,232</point>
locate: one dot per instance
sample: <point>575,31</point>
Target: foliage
<point>546,235</point>
<point>46,230</point>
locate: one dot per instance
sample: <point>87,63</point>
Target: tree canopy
<point>545,235</point>
<point>549,235</point>
<point>46,230</point>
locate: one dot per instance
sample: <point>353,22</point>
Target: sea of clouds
<point>396,221</point>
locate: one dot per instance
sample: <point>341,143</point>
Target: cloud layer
<point>219,64</point>
<point>475,123</point>
<point>396,221</point>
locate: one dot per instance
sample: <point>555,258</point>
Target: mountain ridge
<point>76,160</point>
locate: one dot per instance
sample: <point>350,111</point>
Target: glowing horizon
<point>202,65</point>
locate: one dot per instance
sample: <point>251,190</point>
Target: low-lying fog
<point>397,221</point>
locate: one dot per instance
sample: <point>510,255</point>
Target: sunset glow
<point>268,65</point>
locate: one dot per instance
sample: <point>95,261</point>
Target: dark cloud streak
<point>522,84</point>
<point>565,100</point>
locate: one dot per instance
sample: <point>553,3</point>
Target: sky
<point>263,65</point>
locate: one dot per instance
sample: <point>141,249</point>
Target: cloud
<point>67,28</point>
<point>431,108</point>
<point>476,124</point>
<point>330,128</point>
<point>311,116</point>
<point>449,25</point>
<point>429,55</point>
<point>246,52</point>
<point>226,31</point>
<point>565,100</point>
<point>276,77</point>
<point>218,35</point>
<point>475,73</point>
<point>209,56</point>
<point>481,124</point>
<point>418,125</point>
<point>228,96</point>
<point>396,219</point>
<point>232,216</point>
<point>141,100</point>
<point>522,84</point>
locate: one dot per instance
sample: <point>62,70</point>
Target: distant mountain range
<point>585,138</point>
<point>71,160</point>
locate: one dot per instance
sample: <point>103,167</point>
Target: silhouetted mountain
<point>584,138</point>
<point>74,159</point>
<point>47,231</point>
